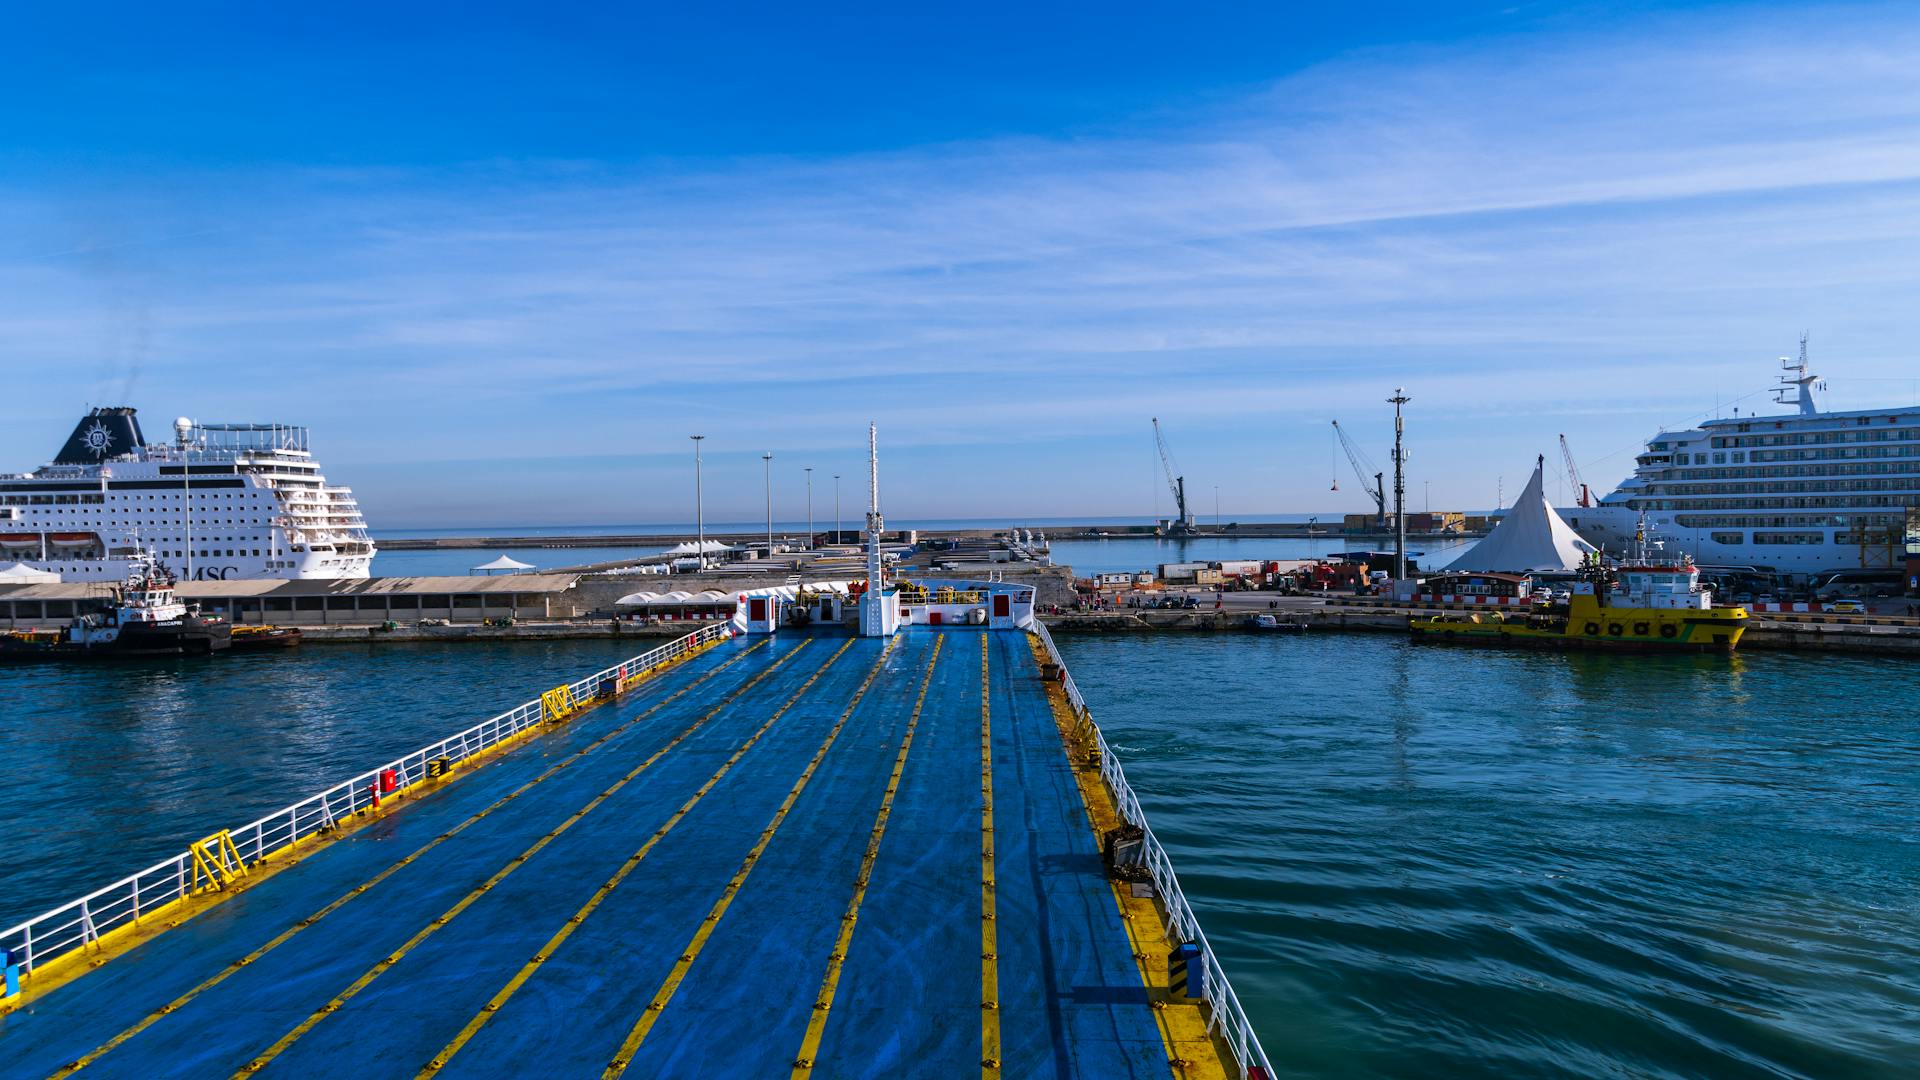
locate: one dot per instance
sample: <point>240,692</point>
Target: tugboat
<point>143,619</point>
<point>1646,603</point>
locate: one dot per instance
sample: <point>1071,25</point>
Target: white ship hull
<point>220,568</point>
<point>222,502</point>
<point>1611,528</point>
<point>1802,494</point>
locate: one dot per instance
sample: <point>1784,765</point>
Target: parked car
<point>1847,607</point>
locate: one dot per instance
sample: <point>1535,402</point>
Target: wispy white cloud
<point>1532,233</point>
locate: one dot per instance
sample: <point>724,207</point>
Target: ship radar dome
<point>182,429</point>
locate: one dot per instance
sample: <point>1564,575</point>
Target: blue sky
<point>503,262</point>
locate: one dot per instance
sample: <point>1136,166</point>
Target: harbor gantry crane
<point>1182,525</point>
<point>1582,497</point>
<point>1375,487</point>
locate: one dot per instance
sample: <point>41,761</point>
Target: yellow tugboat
<point>1647,606</point>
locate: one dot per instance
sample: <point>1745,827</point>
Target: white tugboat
<point>144,618</point>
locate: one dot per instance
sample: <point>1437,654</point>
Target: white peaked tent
<point>503,564</point>
<point>1531,537</point>
<point>21,573</point>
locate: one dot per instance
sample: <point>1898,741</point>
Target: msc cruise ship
<point>1801,494</point>
<point>221,501</point>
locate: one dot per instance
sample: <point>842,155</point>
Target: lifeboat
<point>73,538</point>
<point>19,539</point>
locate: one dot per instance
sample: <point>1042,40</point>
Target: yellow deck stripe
<point>624,1056</point>
<point>823,1001</point>
<point>286,935</point>
<point>553,943</point>
<point>989,909</point>
<point>515,863</point>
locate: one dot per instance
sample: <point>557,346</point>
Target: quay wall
<point>1762,634</point>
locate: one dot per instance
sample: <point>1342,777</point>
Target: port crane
<point>1183,525</point>
<point>1376,490</point>
<point>1582,497</point>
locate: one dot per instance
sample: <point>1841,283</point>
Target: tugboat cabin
<point>1479,588</point>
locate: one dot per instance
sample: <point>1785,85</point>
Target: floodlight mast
<point>1398,399</point>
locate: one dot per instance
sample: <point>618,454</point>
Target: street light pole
<point>809,471</point>
<point>699,508</point>
<point>836,508</point>
<point>767,460</point>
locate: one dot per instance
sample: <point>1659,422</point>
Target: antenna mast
<point>874,521</point>
<point>1797,382</point>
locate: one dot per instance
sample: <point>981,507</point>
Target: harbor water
<point>1414,861</point>
<point>1429,862</point>
<point>112,767</point>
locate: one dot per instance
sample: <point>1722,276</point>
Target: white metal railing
<point>81,922</point>
<point>1228,1019</point>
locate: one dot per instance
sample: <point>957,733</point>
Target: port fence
<point>1228,1019</point>
<point>225,856</point>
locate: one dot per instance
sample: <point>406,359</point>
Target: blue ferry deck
<point>806,854</point>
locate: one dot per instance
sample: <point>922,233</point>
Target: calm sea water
<point>109,768</point>
<point>1417,861</point>
<point>1432,862</point>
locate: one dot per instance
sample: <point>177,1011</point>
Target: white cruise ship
<point>1802,494</point>
<point>222,501</point>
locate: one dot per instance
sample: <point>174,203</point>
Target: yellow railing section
<point>216,862</point>
<point>946,594</point>
<point>558,703</point>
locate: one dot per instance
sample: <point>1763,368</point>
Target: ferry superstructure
<point>1801,494</point>
<point>220,502</point>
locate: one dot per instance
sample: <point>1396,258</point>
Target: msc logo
<point>98,439</point>
<point>214,573</point>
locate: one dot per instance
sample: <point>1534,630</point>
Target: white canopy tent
<point>22,574</point>
<point>502,565</point>
<point>1531,538</point>
<point>689,547</point>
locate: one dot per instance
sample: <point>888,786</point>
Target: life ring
<point>1668,630</point>
<point>1593,629</point>
<point>1615,629</point>
<point>1641,629</point>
